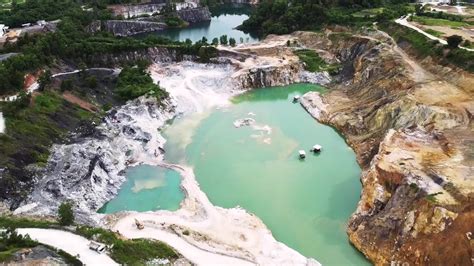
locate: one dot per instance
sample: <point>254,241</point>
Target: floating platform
<point>302,154</point>
<point>317,148</point>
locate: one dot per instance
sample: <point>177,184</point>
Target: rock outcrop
<point>155,54</point>
<point>194,15</point>
<point>131,27</point>
<point>410,125</point>
<point>89,171</point>
<point>130,11</point>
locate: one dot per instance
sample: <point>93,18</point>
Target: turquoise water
<point>147,188</point>
<point>223,22</point>
<point>305,203</point>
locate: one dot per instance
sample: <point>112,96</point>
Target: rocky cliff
<point>194,15</point>
<point>131,27</point>
<point>410,124</point>
<point>129,11</point>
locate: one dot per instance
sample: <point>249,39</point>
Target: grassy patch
<point>423,46</point>
<point>434,33</point>
<point>23,223</point>
<point>438,22</point>
<point>313,62</point>
<point>7,255</point>
<point>129,252</point>
<point>369,12</point>
<point>32,126</point>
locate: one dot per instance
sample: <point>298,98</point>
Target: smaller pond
<point>147,188</point>
<point>223,22</point>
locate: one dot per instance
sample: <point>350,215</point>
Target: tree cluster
<point>285,16</point>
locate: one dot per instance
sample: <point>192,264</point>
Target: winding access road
<point>70,243</point>
<point>404,22</point>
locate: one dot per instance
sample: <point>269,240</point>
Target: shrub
<point>129,252</point>
<point>454,41</point>
<point>91,82</point>
<point>65,214</point>
<point>223,40</point>
<point>66,85</point>
<point>232,42</point>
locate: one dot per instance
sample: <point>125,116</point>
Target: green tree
<point>204,40</point>
<point>223,40</point>
<point>91,82</point>
<point>419,9</point>
<point>65,214</point>
<point>232,42</point>
<point>215,41</point>
<point>66,85</point>
<point>44,79</point>
<point>454,41</point>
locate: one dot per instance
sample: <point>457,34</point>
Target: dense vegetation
<point>11,242</point>
<point>129,252</point>
<point>135,81</point>
<point>285,16</point>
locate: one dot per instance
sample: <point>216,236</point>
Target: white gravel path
<point>69,242</point>
<point>404,22</point>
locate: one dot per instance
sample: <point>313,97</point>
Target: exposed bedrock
<point>89,171</point>
<point>410,124</point>
<point>153,54</point>
<point>126,27</point>
<point>194,15</point>
<point>128,11</point>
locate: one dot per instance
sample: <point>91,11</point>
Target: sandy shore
<point>206,234</point>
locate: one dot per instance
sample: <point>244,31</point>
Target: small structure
<point>302,154</point>
<point>3,29</point>
<point>139,225</point>
<point>97,247</point>
<point>296,98</point>
<point>316,148</point>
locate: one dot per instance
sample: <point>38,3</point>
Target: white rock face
<point>2,123</point>
<point>90,171</point>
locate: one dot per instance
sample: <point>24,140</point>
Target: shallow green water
<point>304,203</point>
<point>147,188</point>
<point>223,21</point>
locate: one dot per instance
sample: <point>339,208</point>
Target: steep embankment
<point>410,125</point>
